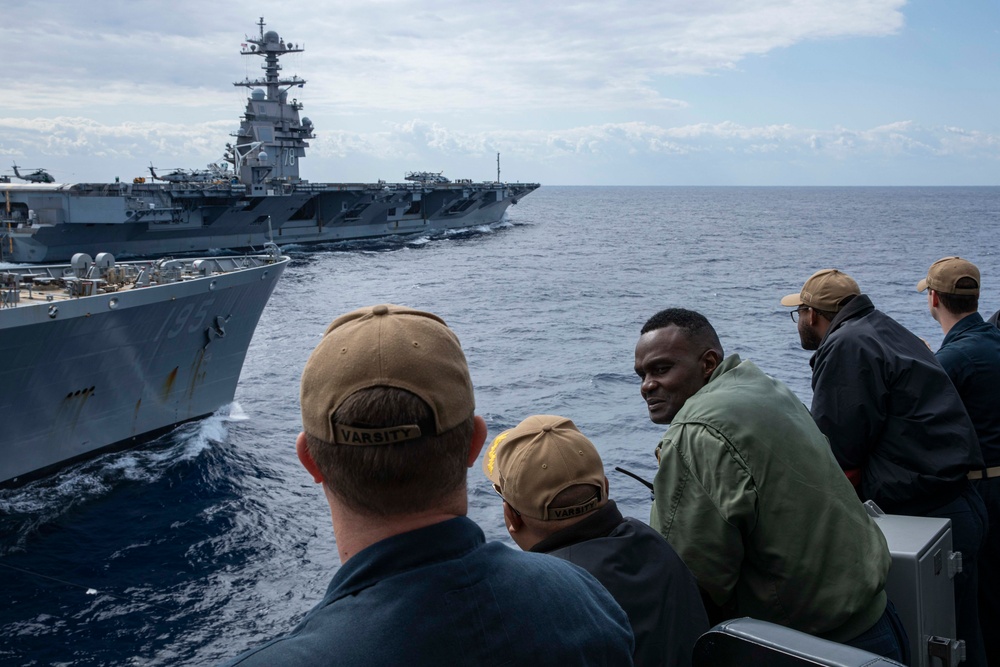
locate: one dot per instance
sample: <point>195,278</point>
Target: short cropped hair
<point>957,304</point>
<point>695,325</point>
<point>397,478</point>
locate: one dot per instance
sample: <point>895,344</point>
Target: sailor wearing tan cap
<point>749,495</point>
<point>389,432</point>
<point>894,419</point>
<point>555,501</point>
<point>970,354</point>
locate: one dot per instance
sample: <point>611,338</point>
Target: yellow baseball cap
<point>539,458</point>
<point>385,346</point>
<point>824,290</point>
<point>944,274</point>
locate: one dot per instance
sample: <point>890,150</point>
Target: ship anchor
<point>217,330</point>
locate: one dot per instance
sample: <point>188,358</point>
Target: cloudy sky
<point>635,92</point>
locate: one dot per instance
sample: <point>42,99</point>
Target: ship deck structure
<point>99,354</point>
<point>253,195</point>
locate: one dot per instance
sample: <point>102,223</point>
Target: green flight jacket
<point>750,495</point>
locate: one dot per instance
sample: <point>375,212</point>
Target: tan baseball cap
<point>824,290</point>
<point>385,346</point>
<point>542,456</point>
<point>945,273</point>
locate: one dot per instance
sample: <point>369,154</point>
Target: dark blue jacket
<point>887,406</point>
<point>441,595</point>
<point>645,575</point>
<point>970,354</point>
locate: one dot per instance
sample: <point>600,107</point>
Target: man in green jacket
<point>751,497</point>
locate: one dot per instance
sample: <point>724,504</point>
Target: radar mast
<point>272,137</point>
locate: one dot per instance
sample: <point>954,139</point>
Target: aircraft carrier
<point>253,195</point>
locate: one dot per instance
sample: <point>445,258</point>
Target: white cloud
<point>64,136</point>
<point>398,55</point>
<point>586,89</point>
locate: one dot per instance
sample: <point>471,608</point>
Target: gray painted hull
<point>112,369</point>
<point>49,223</point>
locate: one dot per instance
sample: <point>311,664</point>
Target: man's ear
<point>710,359</point>
<point>306,458</point>
<point>510,517</point>
<point>478,439</point>
<point>934,298</point>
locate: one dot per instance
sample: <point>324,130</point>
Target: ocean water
<point>213,539</point>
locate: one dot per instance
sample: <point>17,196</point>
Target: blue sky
<point>665,92</point>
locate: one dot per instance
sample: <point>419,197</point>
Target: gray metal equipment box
<point>921,585</point>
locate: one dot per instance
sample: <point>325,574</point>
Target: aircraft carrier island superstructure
<point>253,195</point>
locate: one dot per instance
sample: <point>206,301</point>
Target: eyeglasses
<point>497,490</point>
<point>795,313</point>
